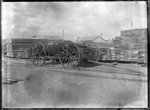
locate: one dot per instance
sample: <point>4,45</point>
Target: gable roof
<point>94,39</point>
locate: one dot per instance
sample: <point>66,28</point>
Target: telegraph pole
<point>101,34</point>
<point>131,24</point>
<point>63,34</point>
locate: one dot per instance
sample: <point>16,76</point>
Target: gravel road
<point>52,86</point>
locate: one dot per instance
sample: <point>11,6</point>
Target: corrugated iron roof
<point>47,37</point>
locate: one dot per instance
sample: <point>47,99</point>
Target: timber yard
<point>91,72</point>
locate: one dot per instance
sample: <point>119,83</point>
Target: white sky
<point>26,19</point>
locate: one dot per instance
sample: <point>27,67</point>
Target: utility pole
<point>63,34</point>
<point>101,34</point>
<point>131,24</point>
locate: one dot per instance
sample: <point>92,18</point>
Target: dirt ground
<point>52,86</point>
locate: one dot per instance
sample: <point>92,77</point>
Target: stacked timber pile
<point>123,56</point>
<point>113,55</point>
<point>4,47</point>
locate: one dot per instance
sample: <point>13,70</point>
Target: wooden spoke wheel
<point>38,54</point>
<point>94,46</point>
<point>69,54</point>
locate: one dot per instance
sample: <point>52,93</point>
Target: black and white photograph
<point>78,54</point>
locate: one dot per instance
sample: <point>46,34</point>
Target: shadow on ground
<point>87,64</point>
<point>51,63</point>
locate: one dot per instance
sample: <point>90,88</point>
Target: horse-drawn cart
<point>67,53</point>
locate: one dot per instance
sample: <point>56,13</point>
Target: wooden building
<point>17,47</point>
<point>135,38</point>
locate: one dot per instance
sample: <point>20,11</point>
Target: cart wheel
<point>93,45</point>
<point>38,54</point>
<point>69,54</point>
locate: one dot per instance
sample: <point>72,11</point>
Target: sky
<point>76,19</point>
